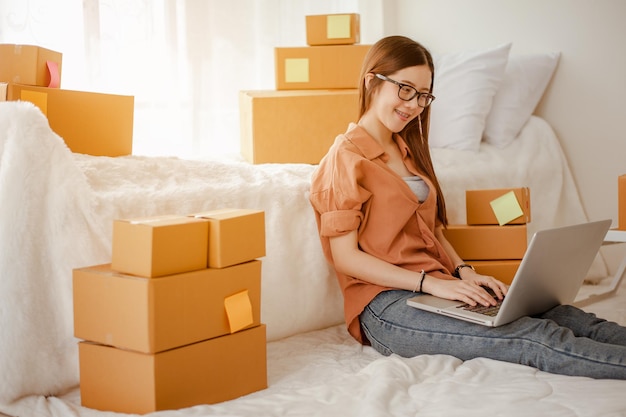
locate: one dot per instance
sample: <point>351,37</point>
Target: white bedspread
<point>326,373</point>
<point>56,213</point>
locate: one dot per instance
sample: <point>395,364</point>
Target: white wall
<point>586,101</point>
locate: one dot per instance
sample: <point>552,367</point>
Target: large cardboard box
<point>89,123</point>
<point>504,270</point>
<point>488,242</point>
<point>159,245</point>
<point>480,211</point>
<point>235,236</point>
<point>153,315</point>
<point>207,372</point>
<point>31,65</point>
<point>294,126</point>
<point>319,67</point>
<point>333,29</point>
<point>621,202</point>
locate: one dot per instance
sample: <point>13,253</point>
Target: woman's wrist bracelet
<point>420,283</point>
<point>457,270</point>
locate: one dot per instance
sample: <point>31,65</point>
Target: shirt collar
<point>366,144</point>
<point>371,149</point>
<point>404,148</point>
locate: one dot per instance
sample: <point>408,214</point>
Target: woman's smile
<point>404,116</point>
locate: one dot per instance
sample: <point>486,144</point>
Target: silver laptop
<point>551,273</point>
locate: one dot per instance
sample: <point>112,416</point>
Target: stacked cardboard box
<point>174,320</point>
<point>89,123</point>
<point>30,65</point>
<point>621,202</point>
<point>495,237</point>
<point>316,95</point>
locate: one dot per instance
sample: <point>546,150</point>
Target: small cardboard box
<point>235,236</point>
<point>153,315</point>
<point>207,372</point>
<point>160,245</point>
<point>89,123</point>
<point>333,29</point>
<point>293,126</point>
<point>488,242</point>
<point>319,67</point>
<point>504,270</point>
<point>621,202</point>
<point>31,65</point>
<point>479,210</point>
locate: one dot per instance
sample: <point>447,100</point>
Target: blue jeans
<point>564,340</point>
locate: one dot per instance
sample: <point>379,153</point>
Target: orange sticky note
<point>239,311</point>
<point>338,26</point>
<point>297,70</point>
<point>55,77</point>
<point>506,208</point>
<point>37,98</point>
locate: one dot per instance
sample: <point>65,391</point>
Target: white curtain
<point>184,61</point>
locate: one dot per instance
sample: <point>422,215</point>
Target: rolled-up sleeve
<point>338,215</point>
<point>337,223</point>
<point>336,196</point>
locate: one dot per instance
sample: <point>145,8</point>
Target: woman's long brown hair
<point>385,57</point>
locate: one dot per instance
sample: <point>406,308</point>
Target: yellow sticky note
<point>297,70</point>
<point>239,311</point>
<point>37,98</point>
<point>506,208</point>
<point>338,26</point>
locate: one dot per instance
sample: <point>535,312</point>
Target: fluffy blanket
<point>326,373</point>
<point>57,210</point>
<point>57,214</point>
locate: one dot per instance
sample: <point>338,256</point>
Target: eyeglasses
<point>408,93</point>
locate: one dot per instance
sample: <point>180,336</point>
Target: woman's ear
<point>368,79</point>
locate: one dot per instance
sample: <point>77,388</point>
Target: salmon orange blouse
<point>354,189</point>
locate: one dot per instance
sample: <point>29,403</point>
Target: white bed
<point>56,214</point>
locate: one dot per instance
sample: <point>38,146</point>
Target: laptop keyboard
<point>490,311</point>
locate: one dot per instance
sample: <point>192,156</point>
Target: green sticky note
<point>239,311</point>
<point>297,70</point>
<point>338,26</point>
<point>506,208</point>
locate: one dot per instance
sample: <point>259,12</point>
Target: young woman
<point>380,214</point>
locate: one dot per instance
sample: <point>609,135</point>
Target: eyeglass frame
<point>417,94</point>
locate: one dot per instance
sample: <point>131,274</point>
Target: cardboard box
<point>621,202</point>
<point>154,315</point>
<point>161,245</point>
<point>3,91</point>
<point>488,242</point>
<point>235,236</point>
<point>319,67</point>
<point>89,123</point>
<point>207,372</point>
<point>333,29</point>
<point>31,65</point>
<point>294,126</point>
<point>479,210</point>
<point>504,270</point>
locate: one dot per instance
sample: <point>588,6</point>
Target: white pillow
<point>525,80</point>
<point>465,84</point>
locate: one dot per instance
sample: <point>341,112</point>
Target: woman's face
<point>388,108</point>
